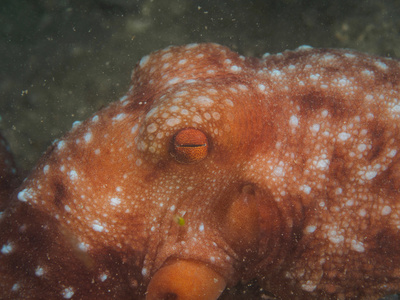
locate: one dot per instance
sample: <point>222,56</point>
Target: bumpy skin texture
<point>294,180</point>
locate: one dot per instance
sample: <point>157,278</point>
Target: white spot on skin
<point>152,128</point>
<point>83,247</point>
<point>370,175</point>
<point>88,137</point>
<point>60,145</point>
<point>309,286</point>
<point>334,237</point>
<point>67,208</point>
<point>338,191</point>
<point>197,119</point>
<point>39,271</point>
<point>229,102</point>
<point>349,55</point>
<point>304,47</point>
<point>357,246</point>
<point>173,81</point>
<point>276,73</point>
<point>367,72</point>
<point>392,153</point>
<point>311,228</point>
<point>381,65</point>
<point>386,210</point>
<point>189,81</point>
<point>166,56</point>
<point>201,227</point>
<point>115,201</point>
<point>97,226</point>
<point>323,164</point>
<point>46,169</point>
<point>350,202</point>
<point>68,293</point>
<point>203,101</point>
<point>306,189</point>
<point>76,124</point>
<point>151,112</point>
<point>174,108</point>
<point>96,117</point>
<point>119,117</point>
<point>194,45</point>
<point>235,68</point>
<point>261,87</point>
<point>15,287</point>
<point>144,272</point>
<point>315,77</point>
<point>73,175</point>
<point>278,171</point>
<point>134,128</point>
<point>344,82</point>
<point>216,115</point>
<point>344,136</point>
<point>362,212</point>
<point>24,195</point>
<point>122,99</point>
<point>294,121</point>
<point>142,146</point>
<point>369,97</point>
<point>7,248</point>
<point>172,122</point>
<point>315,127</point>
<point>144,61</point>
<point>362,147</point>
<point>396,109</point>
<point>243,87</point>
<point>103,277</point>
<point>266,54</point>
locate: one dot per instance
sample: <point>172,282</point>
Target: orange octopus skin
<point>215,169</point>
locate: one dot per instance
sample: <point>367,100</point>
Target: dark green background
<point>62,60</point>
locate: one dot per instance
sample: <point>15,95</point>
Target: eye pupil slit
<point>189,146</point>
<point>193,145</point>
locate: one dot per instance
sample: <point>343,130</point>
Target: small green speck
<point>179,220</point>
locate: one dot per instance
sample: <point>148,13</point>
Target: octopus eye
<point>189,146</point>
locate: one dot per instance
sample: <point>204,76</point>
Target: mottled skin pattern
<point>299,185</point>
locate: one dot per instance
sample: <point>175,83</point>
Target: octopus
<point>216,169</point>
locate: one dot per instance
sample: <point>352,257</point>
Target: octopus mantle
<point>216,169</point>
